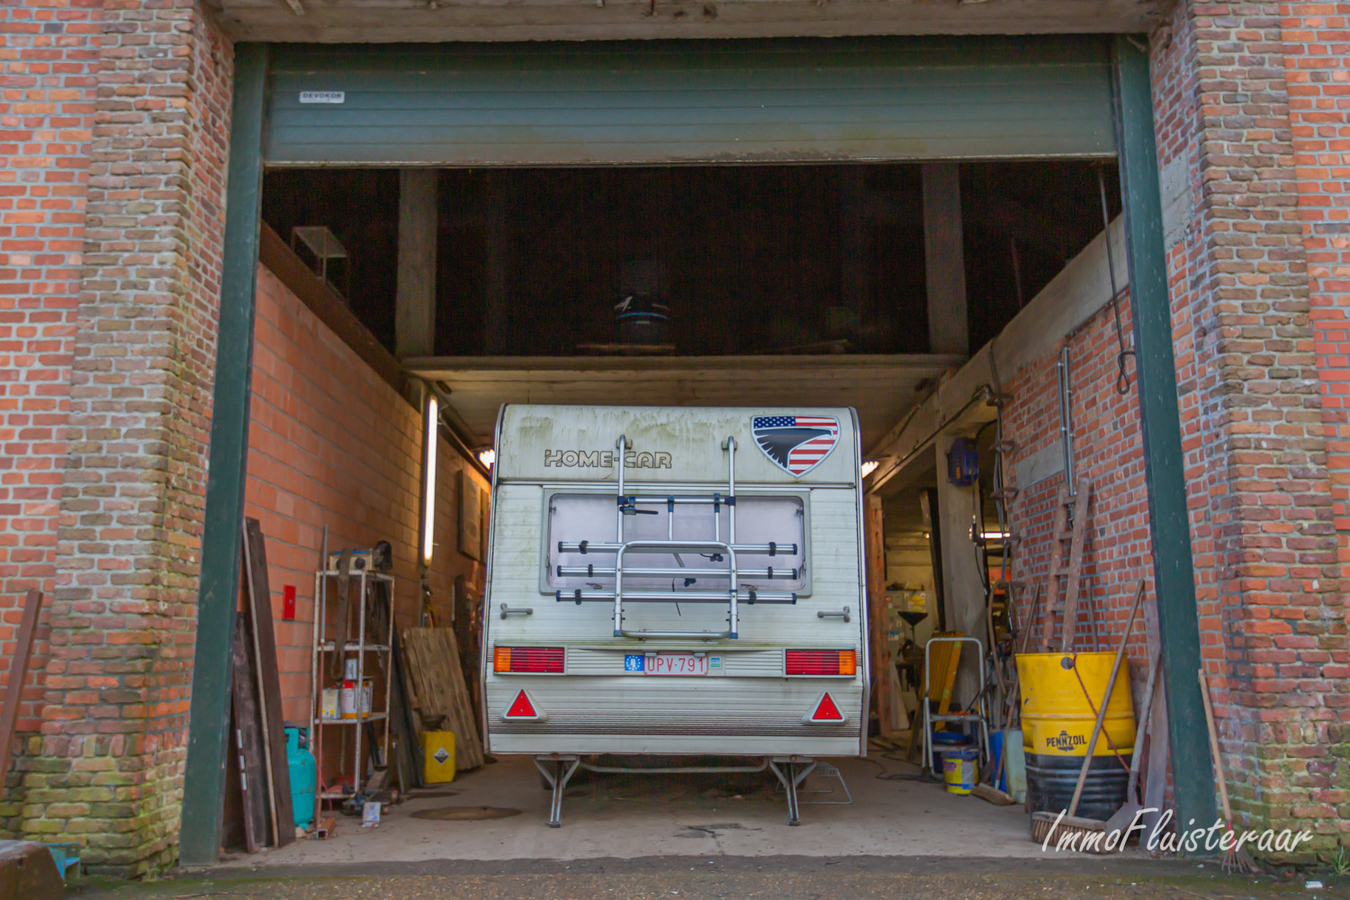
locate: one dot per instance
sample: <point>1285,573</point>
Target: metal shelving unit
<point>363,583</point>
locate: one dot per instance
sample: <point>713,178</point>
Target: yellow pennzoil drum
<point>1057,723</point>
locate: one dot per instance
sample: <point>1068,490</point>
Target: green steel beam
<point>1164,465</point>
<point>209,713</point>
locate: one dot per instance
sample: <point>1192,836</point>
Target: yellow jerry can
<point>438,757</point>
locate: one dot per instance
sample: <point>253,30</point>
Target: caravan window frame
<point>801,494</point>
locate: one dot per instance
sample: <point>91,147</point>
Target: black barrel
<point>1052,779</point>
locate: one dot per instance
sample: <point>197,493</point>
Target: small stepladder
<point>1062,587</point>
<point>977,716</point>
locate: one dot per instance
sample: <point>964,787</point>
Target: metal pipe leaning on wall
<point>1066,420</point>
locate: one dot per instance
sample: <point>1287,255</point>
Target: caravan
<point>676,582</point>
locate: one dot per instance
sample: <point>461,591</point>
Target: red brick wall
<point>1108,453</point>
<point>141,361</point>
<point>1317,43</point>
<point>1268,579</point>
<point>332,443</point>
<point>48,63</point>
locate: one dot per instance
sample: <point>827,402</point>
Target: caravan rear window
<point>781,520</point>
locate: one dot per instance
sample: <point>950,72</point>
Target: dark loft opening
<point>734,259</point>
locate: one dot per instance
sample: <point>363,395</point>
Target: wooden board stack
<point>259,730</point>
<point>438,693</point>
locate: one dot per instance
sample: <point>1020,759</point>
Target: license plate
<point>672,664</point>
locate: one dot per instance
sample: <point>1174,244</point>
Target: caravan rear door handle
<point>838,614</point>
<point>518,611</point>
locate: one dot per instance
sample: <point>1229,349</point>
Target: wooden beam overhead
<point>962,597</point>
<point>945,260</point>
<point>415,309</point>
<point>435,367</point>
<point>338,21</point>
<point>881,387</point>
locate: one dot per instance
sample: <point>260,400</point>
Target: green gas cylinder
<point>303,771</point>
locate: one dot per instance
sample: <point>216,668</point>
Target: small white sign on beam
<point>323,96</point>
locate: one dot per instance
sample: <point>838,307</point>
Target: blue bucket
<point>944,741</point>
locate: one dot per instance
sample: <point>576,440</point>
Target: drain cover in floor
<point>465,813</point>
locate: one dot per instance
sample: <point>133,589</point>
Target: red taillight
<point>546,660</point>
<point>821,662</point>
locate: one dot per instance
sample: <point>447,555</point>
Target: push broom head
<point>990,794</point>
<point>1053,827</point>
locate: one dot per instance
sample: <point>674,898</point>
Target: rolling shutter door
<point>689,102</point>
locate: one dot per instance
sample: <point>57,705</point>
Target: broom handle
<point>1010,703</point>
<point>1101,712</point>
<point>1214,747</point>
<point>1132,789</point>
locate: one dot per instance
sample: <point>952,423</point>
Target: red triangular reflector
<point>827,711</point>
<point>521,708</point>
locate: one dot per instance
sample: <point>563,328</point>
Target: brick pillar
<point>123,615</point>
<point>1316,45</point>
<point>1267,576</point>
<point>47,60</point>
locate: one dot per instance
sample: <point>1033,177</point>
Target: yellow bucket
<point>438,757</point>
<point>959,770</point>
<point>1057,719</point>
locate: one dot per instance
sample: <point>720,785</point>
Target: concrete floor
<point>629,817</point>
<point>791,879</point>
<point>782,878</point>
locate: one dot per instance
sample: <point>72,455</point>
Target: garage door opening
<point>751,260</point>
<point>810,284</point>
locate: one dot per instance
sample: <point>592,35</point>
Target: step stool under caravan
<point>679,582</point>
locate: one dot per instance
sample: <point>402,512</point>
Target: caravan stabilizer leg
<point>792,771</point>
<point>557,771</point>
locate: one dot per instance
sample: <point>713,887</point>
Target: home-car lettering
<point>632,459</point>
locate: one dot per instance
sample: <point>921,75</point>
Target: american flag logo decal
<point>797,444</point>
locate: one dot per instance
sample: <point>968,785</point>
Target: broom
<point>992,793</point>
<point>1124,817</point>
<point>1234,858</point>
<point>1046,824</point>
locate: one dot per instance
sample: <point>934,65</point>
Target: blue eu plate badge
<point>632,662</point>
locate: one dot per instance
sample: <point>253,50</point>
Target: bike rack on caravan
<point>791,771</point>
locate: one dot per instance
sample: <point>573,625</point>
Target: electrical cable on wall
<point>1000,485</point>
<point>1123,378</point>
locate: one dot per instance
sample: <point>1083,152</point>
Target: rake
<point>1235,859</point>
